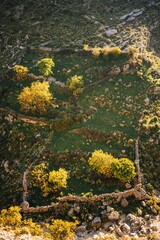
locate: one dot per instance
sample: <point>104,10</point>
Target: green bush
<point>45,66</point>
<point>123,169</point>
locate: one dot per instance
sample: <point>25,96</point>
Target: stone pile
<point>119,225</point>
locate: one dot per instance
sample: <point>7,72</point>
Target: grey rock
<point>126,68</point>
<point>124,202</point>
<point>118,231</point>
<point>25,205</point>
<point>103,212</point>
<point>125,228</point>
<point>147,216</point>
<point>139,212</point>
<point>90,217</point>
<point>71,212</point>
<point>137,14</point>
<point>106,225</point>
<point>96,223</point>
<point>109,209</point>
<point>111,32</point>
<point>113,216</point>
<point>80,229</point>
<point>77,208</point>
<point>122,18</point>
<point>130,19</point>
<point>153,210</point>
<point>143,204</point>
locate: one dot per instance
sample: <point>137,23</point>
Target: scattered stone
<point>106,225</point>
<point>111,32</point>
<point>143,204</point>
<point>122,18</point>
<point>80,229</point>
<point>139,212</point>
<point>153,210</point>
<point>6,165</point>
<point>154,227</point>
<point>109,209</point>
<point>118,231</point>
<point>128,185</point>
<point>146,101</point>
<point>147,216</point>
<point>90,217</point>
<point>77,208</point>
<point>124,202</point>
<point>71,212</point>
<point>113,216</point>
<point>126,68</point>
<point>137,13</point>
<point>96,223</point>
<point>130,19</point>
<point>25,205</point>
<point>125,228</point>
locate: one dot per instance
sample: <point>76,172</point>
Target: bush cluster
<point>49,182</point>
<point>108,166</point>
<point>105,51</point>
<point>11,219</point>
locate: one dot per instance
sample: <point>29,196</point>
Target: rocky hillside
<point>66,23</point>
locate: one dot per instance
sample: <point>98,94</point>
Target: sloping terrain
<point>119,103</point>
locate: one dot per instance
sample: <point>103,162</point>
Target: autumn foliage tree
<point>35,98</point>
<point>45,66</point>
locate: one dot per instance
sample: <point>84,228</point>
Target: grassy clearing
<point>111,109</point>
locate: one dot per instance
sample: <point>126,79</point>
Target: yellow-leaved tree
<point>35,98</point>
<point>75,84</point>
<point>49,182</point>
<point>102,162</point>
<point>45,66</point>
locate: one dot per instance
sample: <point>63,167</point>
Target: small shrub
<point>18,72</point>
<point>10,217</point>
<point>58,178</point>
<point>131,51</point>
<point>75,84</point>
<point>85,47</point>
<point>45,66</point>
<point>96,51</point>
<point>34,229</point>
<point>62,230</point>
<point>115,52</point>
<point>101,162</point>
<point>105,50</point>
<point>123,169</point>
